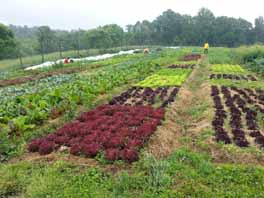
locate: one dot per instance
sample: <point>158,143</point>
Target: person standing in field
<point>206,48</point>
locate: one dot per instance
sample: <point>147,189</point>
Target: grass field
<point>135,127</point>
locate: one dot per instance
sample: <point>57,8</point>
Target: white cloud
<point>72,14</point>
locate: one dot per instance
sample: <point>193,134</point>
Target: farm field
<point>171,123</point>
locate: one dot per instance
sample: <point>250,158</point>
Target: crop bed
<point>192,57</point>
<point>118,131</point>
<point>233,77</point>
<point>165,78</point>
<point>244,108</point>
<point>22,80</point>
<point>182,66</point>
<point>161,96</point>
<point>229,69</point>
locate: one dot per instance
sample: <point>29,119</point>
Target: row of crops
<point>239,106</point>
<point>118,130</point>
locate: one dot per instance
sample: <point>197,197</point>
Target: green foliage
<point>220,55</point>
<point>257,65</point>
<point>7,42</point>
<point>248,53</point>
<point>228,69</point>
<point>105,37</point>
<point>35,86</point>
<point>251,56</point>
<point>166,77</point>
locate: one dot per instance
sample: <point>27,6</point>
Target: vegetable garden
<point>120,129</point>
<point>165,124</point>
<point>238,111</point>
<point>32,105</point>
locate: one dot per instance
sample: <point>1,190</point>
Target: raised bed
<point>158,97</point>
<point>117,131</point>
<point>236,115</point>
<point>192,57</point>
<point>233,77</point>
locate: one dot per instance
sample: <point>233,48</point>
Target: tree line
<point>170,29</point>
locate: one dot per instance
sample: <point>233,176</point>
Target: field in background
<point>36,59</point>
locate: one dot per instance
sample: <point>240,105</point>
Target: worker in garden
<point>146,51</point>
<point>66,60</point>
<point>206,48</point>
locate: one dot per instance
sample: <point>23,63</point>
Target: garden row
<point>238,110</point>
<point>160,97</point>
<point>228,69</point>
<point>182,66</point>
<point>21,77</point>
<point>166,77</point>
<point>233,77</point>
<point>120,129</point>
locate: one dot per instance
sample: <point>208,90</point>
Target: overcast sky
<point>85,14</point>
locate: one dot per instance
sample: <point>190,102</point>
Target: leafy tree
<point>46,39</point>
<point>259,29</point>
<point>7,43</point>
<point>203,24</point>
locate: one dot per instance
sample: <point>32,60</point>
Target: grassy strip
<point>183,174</point>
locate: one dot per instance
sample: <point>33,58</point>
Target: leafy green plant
<point>226,68</point>
<point>256,65</point>
<point>166,77</point>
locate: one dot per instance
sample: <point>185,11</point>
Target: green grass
<point>183,174</point>
<point>220,55</point>
<point>166,77</point>
<point>246,54</point>
<point>228,69</point>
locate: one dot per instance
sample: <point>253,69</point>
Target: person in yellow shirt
<point>206,48</point>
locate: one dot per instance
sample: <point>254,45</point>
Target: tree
<point>105,37</point>
<point>168,27</point>
<point>46,41</point>
<point>7,43</point>
<point>203,23</point>
<point>259,29</point>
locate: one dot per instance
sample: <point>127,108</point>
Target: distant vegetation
<point>169,28</point>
